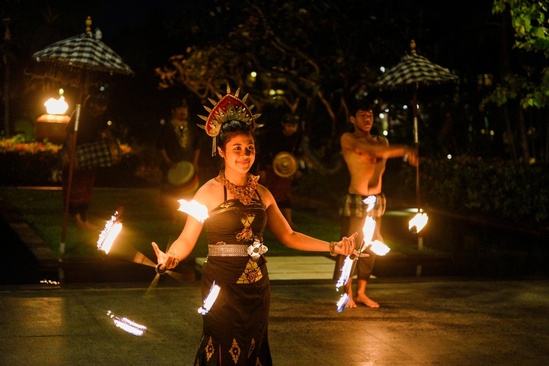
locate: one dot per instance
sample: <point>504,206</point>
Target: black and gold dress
<point>235,328</point>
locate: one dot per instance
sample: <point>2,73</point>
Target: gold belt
<point>227,250</point>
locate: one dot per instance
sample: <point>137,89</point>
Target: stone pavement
<point>436,321</point>
<point>422,320</point>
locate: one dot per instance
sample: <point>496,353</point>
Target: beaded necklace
<point>242,193</point>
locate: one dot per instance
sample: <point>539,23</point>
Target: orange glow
<point>56,106</point>
<point>418,222</point>
<point>195,209</point>
<point>109,234</point>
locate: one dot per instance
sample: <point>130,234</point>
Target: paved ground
<point>421,322</point>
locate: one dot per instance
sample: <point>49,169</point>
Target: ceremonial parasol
<point>412,71</point>
<point>80,60</point>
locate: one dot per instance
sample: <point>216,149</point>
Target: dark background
<point>466,38</point>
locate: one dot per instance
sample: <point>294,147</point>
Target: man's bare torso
<point>365,168</point>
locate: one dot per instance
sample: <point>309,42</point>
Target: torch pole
<point>72,151</point>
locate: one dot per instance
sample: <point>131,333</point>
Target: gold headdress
<point>228,108</point>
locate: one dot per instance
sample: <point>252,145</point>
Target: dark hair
<point>290,119</point>
<point>231,129</point>
<point>364,104</point>
<point>99,98</point>
<point>179,103</point>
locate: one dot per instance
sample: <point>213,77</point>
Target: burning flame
<point>195,209</point>
<point>376,246</point>
<point>342,303</point>
<point>49,282</point>
<point>345,272</point>
<point>56,106</point>
<point>379,248</point>
<point>127,325</point>
<point>109,234</point>
<point>370,201</point>
<point>210,299</point>
<point>368,229</point>
<point>418,222</point>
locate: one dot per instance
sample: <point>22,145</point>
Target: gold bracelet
<point>332,247</point>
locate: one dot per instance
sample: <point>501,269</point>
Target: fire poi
<point>342,303</point>
<point>376,247</point>
<point>127,324</point>
<point>108,236</point>
<point>418,222</point>
<point>109,233</point>
<point>194,208</point>
<point>200,213</point>
<point>210,299</point>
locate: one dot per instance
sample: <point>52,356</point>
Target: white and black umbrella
<point>80,60</point>
<point>85,51</point>
<point>412,71</point>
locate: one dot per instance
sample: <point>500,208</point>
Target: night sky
<point>131,29</point>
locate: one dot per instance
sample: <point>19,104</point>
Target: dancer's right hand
<point>165,261</point>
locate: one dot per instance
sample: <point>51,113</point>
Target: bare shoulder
<point>265,194</point>
<point>347,136</point>
<point>347,139</point>
<point>210,194</point>
<point>382,140</point>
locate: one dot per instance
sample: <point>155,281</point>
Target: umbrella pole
<point>416,145</point>
<point>72,151</point>
<point>418,191</point>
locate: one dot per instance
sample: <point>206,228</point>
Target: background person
<point>365,155</point>
<point>177,141</point>
<point>208,165</point>
<point>235,328</point>
<point>92,128</point>
<point>284,138</point>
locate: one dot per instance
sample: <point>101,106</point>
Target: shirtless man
<point>365,155</point>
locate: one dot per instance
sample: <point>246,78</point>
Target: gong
<point>284,164</point>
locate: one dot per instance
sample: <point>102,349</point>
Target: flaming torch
<point>127,324</point>
<point>57,107</point>
<point>368,231</point>
<point>345,271</point>
<point>348,264</point>
<point>194,208</point>
<point>210,299</point>
<point>376,247</point>
<point>415,225</point>
<point>109,233</point>
<point>379,248</point>
<point>342,303</point>
<point>418,222</point>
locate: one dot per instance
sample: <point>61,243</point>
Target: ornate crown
<point>228,108</point>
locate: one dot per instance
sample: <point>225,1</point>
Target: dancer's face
<point>239,152</point>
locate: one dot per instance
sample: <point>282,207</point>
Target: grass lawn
<point>145,219</point>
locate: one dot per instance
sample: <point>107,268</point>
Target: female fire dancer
<point>235,328</point>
